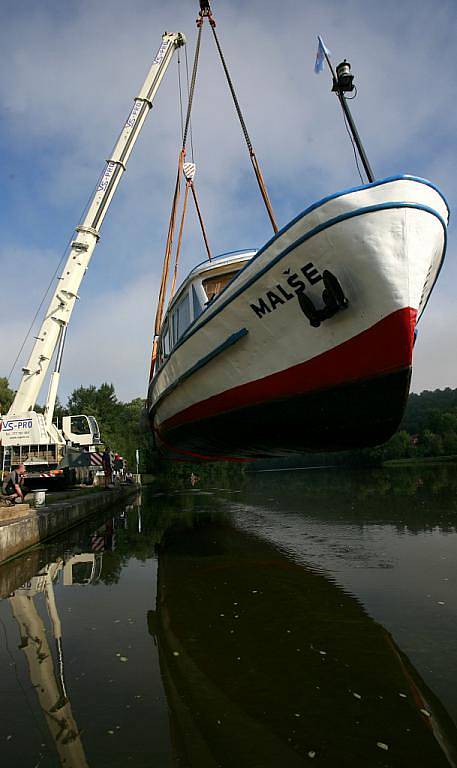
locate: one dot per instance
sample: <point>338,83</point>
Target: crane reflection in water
<point>47,669</point>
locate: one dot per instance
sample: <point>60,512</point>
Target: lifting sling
<point>189,173</point>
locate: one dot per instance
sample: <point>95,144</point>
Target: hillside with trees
<point>428,428</point>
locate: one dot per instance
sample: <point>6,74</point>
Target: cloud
<point>434,363</point>
<point>110,340</point>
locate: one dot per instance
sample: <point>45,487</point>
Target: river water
<point>291,618</point>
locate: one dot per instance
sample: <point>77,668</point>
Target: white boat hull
<point>250,372</point>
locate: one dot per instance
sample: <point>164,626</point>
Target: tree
<point>398,446</point>
<point>82,400</point>
<point>450,442</point>
<point>59,410</point>
<point>432,445</point>
<point>90,400</point>
<point>123,426</point>
<point>6,395</point>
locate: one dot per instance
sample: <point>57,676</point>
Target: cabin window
<point>174,328</point>
<point>197,305</point>
<point>214,285</point>
<point>180,319</point>
<point>95,428</point>
<point>183,316</point>
<point>82,573</point>
<point>80,425</point>
<point>165,342</point>
<point>159,358</point>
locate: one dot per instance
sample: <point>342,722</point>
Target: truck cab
<point>81,430</point>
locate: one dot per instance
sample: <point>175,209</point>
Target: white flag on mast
<point>320,55</point>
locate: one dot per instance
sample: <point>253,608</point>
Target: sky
<point>69,74</point>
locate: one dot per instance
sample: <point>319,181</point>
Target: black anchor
<point>333,297</point>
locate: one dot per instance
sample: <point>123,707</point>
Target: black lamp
<point>344,78</point>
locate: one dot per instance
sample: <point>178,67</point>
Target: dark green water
<point>299,618</point>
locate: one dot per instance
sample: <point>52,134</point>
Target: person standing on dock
<point>118,465</point>
<point>107,468</point>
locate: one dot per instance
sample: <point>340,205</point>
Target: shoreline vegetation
<point>418,461</point>
<point>427,435</point>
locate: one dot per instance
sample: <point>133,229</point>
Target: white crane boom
<point>58,315</point>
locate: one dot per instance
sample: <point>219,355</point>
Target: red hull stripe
<point>384,348</point>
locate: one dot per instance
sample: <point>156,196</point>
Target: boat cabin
<point>200,288</point>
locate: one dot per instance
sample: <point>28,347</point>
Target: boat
<point>271,662</point>
<point>306,343</point>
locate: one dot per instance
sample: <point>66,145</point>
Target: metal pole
<point>355,135</point>
<point>352,126</point>
<point>63,336</point>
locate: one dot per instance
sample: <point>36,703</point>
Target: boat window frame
<point>231,274</point>
<point>173,319</point>
<point>164,337</point>
<point>196,280</point>
<point>197,306</point>
<point>173,327</point>
<point>184,300</point>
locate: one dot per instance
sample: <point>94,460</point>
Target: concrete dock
<point>23,527</point>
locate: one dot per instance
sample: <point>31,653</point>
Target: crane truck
<point>31,438</point>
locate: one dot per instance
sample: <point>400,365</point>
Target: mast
<point>82,247</point>
<point>342,83</point>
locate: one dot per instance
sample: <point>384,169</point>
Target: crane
<point>23,428</point>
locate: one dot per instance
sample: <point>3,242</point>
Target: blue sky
<point>69,74</point>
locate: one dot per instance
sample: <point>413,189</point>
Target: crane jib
<point>59,312</point>
<point>132,126</point>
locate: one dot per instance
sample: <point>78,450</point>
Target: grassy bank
<point>423,460</point>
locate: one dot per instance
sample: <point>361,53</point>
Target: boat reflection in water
<point>269,663</point>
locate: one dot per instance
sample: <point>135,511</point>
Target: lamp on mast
<point>343,83</point>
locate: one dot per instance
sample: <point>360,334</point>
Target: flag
<point>320,55</point>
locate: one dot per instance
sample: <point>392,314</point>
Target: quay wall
<point>18,535</point>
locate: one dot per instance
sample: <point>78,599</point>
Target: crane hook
<point>205,11</point>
